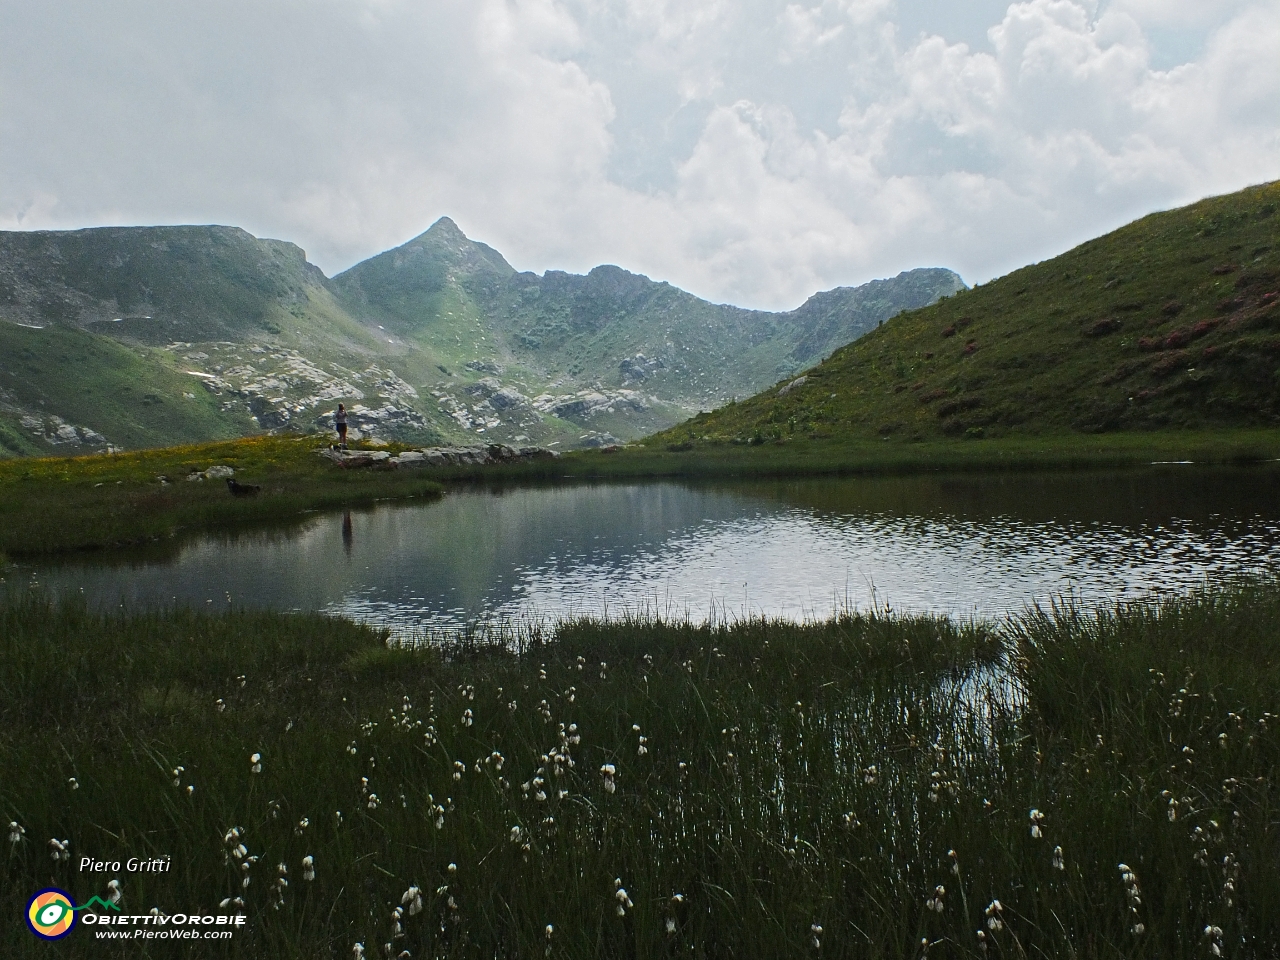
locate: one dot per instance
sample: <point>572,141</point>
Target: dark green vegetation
<point>52,504</point>
<point>877,778</point>
<point>1170,323</point>
<point>142,336</point>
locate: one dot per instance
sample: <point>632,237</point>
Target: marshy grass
<point>58,504</point>
<point>658,789</point>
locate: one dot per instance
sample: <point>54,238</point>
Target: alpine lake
<point>970,546</point>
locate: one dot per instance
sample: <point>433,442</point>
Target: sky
<point>750,151</point>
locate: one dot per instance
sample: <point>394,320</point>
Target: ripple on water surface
<point>979,545</point>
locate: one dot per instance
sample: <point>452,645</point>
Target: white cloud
<point>753,151</point>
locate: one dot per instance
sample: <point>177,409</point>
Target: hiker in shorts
<point>340,422</point>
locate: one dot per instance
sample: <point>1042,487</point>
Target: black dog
<point>242,489</point>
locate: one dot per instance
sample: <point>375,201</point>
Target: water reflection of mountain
<point>1123,497</point>
<point>794,548</point>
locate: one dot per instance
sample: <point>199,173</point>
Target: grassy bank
<point>744,785</point>
<point>76,503</point>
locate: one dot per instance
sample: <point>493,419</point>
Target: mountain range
<point>142,336</point>
<point>1169,323</point>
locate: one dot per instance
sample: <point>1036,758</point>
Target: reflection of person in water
<point>348,536</point>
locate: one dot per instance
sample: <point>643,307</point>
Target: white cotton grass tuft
<point>1214,935</point>
<point>1037,818</point>
<point>16,833</point>
<point>308,868</point>
<point>1133,894</point>
<point>412,898</point>
<point>937,903</point>
<point>59,849</point>
<point>995,916</point>
<point>621,898</point>
<point>255,763</point>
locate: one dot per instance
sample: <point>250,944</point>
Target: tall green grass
<point>768,779</point>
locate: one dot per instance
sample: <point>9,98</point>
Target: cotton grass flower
<point>1058,863</point>
<point>608,771</point>
<point>621,898</point>
<point>815,936</point>
<point>1037,818</point>
<point>308,868</point>
<point>412,899</point>
<point>936,903</point>
<point>113,891</point>
<point>16,833</point>
<point>995,916</point>
<point>1214,936</point>
<point>1134,895</point>
<point>255,763</point>
<point>59,849</point>
<point>73,783</point>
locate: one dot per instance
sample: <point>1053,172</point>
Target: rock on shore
<point>476,455</point>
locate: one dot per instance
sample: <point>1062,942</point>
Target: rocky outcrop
<point>468,456</point>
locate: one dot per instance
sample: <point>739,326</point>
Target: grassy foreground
<point>865,787</point>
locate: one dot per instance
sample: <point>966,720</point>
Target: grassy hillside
<point>1171,322</point>
<point>72,381</point>
<point>158,284</point>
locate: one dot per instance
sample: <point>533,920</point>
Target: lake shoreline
<point>55,505</point>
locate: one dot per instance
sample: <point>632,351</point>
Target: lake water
<point>962,545</point>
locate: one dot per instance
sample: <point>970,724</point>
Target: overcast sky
<point>751,151</point>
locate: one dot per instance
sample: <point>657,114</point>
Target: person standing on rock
<point>340,422</point>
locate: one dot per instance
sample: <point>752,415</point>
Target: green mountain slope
<point>138,336</point>
<point>1169,322</point>
<point>609,351</point>
<point>141,336</point>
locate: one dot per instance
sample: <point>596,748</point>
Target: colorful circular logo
<point>51,914</point>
